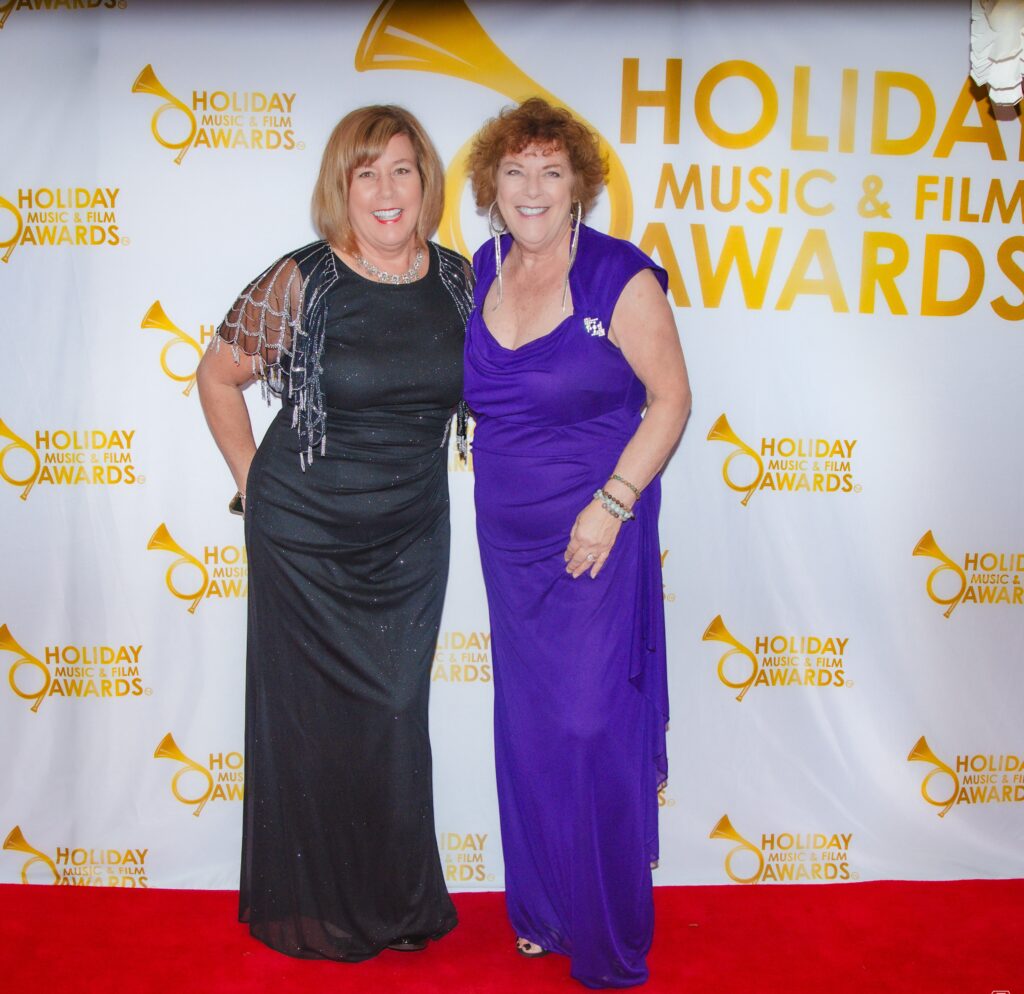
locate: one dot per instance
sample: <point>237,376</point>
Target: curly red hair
<point>536,122</point>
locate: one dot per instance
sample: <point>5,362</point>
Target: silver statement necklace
<point>409,276</point>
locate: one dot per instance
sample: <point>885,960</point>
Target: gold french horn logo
<point>444,37</point>
<point>156,317</point>
<point>15,842</point>
<point>717,632</point>
<point>168,749</point>
<point>25,659</point>
<point>17,444</point>
<point>147,82</point>
<point>723,830</point>
<point>162,541</point>
<point>721,431</point>
<point>922,753</point>
<point>927,546</point>
<point>19,226</point>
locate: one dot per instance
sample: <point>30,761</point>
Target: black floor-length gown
<point>348,562</point>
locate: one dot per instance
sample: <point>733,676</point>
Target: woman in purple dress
<point>577,380</point>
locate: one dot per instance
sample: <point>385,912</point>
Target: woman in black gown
<point>346,526</point>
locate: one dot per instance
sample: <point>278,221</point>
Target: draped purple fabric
<point>581,697</point>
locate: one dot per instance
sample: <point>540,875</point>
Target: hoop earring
<point>496,234</point>
<point>575,219</point>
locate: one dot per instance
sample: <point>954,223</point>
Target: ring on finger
<point>591,557</point>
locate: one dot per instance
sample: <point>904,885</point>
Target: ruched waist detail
<point>403,432</point>
<point>606,434</point>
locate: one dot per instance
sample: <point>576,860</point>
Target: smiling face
<point>384,200</point>
<point>534,193</point>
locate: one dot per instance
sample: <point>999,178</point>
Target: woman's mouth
<point>531,211</point>
<point>386,217</point>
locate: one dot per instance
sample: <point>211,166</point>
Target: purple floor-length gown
<point>580,688</point>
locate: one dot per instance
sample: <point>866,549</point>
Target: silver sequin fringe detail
<point>457,278</point>
<point>283,313</point>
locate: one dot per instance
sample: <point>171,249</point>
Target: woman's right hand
<point>590,541</point>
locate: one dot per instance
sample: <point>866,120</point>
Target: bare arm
<point>644,328</point>
<point>254,335</point>
<point>220,381</point>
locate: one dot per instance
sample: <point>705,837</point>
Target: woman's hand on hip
<point>590,541</point>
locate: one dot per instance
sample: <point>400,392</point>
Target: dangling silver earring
<point>575,217</point>
<point>496,234</point>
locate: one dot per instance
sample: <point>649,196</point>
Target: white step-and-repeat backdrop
<point>842,535</point>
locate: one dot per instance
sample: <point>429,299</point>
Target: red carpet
<point>963,937</point>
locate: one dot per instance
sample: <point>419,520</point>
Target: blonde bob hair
<point>359,139</point>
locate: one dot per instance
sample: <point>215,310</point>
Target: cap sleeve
<point>457,277</point>
<point>605,266</point>
<point>263,320</point>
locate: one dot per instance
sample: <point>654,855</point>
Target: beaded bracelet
<point>612,506</point>
<point>625,482</point>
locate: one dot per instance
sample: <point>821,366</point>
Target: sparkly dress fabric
<point>579,665</point>
<point>348,562</point>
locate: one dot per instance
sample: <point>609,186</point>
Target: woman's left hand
<point>590,541</point>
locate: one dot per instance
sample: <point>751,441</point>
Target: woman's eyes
<point>551,173</point>
<point>370,174</point>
